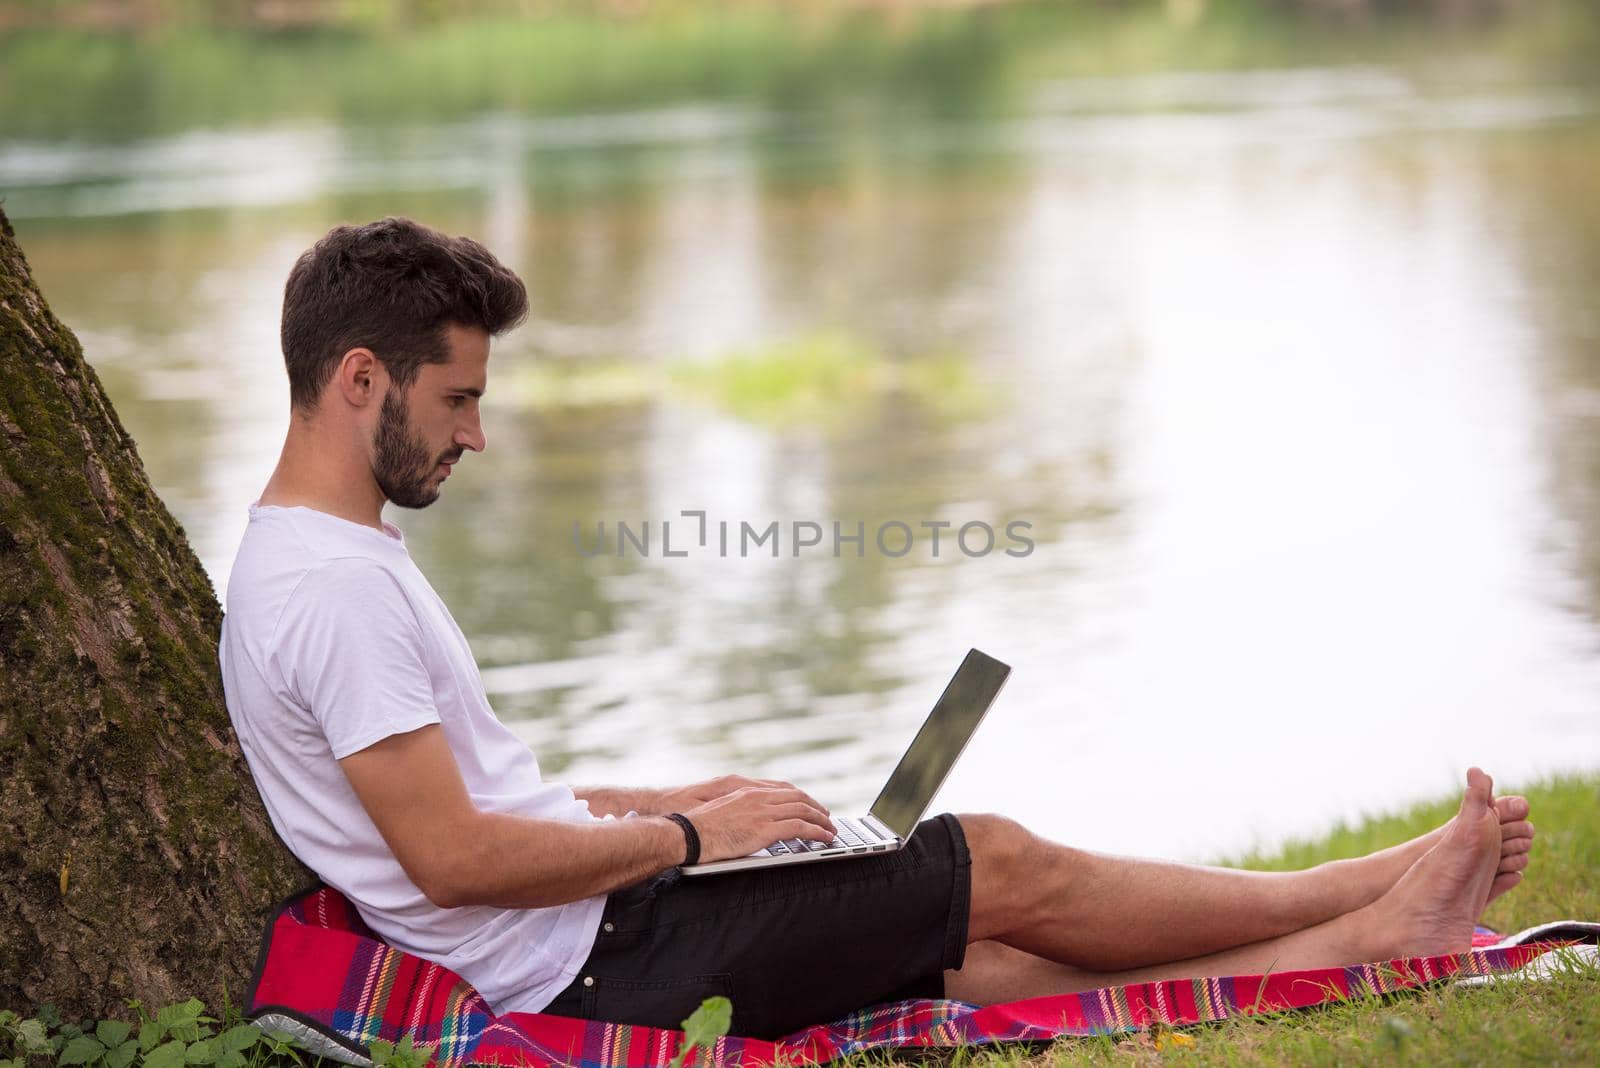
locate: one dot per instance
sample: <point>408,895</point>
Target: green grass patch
<point>547,384</point>
<point>822,380</point>
<point>829,379</point>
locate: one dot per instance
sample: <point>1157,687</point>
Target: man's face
<point>424,429</point>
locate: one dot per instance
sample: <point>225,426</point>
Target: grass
<point>829,378</point>
<point>1556,1021</point>
<point>1552,1022</point>
<point>823,379</point>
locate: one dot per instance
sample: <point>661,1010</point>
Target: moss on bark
<point>120,777</point>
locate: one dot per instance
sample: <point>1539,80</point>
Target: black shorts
<point>789,946</point>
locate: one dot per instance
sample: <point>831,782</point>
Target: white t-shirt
<point>332,641</point>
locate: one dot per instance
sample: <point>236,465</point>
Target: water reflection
<point>1296,391</point>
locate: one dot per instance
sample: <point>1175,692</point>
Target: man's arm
<point>412,789</point>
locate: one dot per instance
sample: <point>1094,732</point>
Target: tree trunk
<point>136,859</point>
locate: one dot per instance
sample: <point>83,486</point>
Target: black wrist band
<point>690,835</point>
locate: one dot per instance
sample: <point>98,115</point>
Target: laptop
<point>905,798</point>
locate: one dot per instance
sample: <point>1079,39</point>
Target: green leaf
<point>403,1054</point>
<point>183,1020</point>
<point>122,1055</point>
<point>49,1017</point>
<point>704,1026</point>
<point>81,1050</point>
<point>150,1034</point>
<point>7,1018</point>
<point>33,1037</point>
<point>166,1055</point>
<point>709,1022</point>
<point>240,1038</point>
<point>112,1032</point>
<point>282,1043</point>
<point>184,1012</point>
<point>230,1059</point>
<point>202,1052</point>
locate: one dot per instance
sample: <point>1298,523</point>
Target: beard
<point>401,461</point>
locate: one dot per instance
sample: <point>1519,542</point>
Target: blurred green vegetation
<point>826,378</point>
<point>829,378</point>
<point>186,64</point>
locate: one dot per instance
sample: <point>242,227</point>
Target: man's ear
<point>360,378</point>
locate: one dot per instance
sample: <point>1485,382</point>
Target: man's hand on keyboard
<point>753,817</point>
<point>683,798</point>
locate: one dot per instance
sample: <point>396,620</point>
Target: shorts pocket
<point>632,911</point>
<point>654,1002</point>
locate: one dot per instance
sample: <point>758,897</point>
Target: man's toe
<point>1511,809</point>
<point>1514,862</point>
<point>1504,882</point>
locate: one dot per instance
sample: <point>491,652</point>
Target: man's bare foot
<point>1516,843</point>
<point>1434,906</point>
<point>1378,872</point>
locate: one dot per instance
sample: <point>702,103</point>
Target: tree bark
<point>136,858</point>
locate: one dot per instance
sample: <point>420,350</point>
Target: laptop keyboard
<point>850,835</point>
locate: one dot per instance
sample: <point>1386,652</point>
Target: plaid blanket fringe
<point>321,970</point>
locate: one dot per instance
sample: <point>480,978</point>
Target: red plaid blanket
<point>324,976</point>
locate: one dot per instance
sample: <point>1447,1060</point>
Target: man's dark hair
<point>391,286</point>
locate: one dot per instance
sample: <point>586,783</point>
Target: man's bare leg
<point>1431,909</point>
<point>1084,909</point>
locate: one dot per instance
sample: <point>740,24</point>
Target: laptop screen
<point>920,773</point>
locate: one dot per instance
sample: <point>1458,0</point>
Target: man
<point>361,711</point>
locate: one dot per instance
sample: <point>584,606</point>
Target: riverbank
<point>113,83</point>
<point>143,15</point>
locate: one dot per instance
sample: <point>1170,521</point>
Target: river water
<point>1292,375</point>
